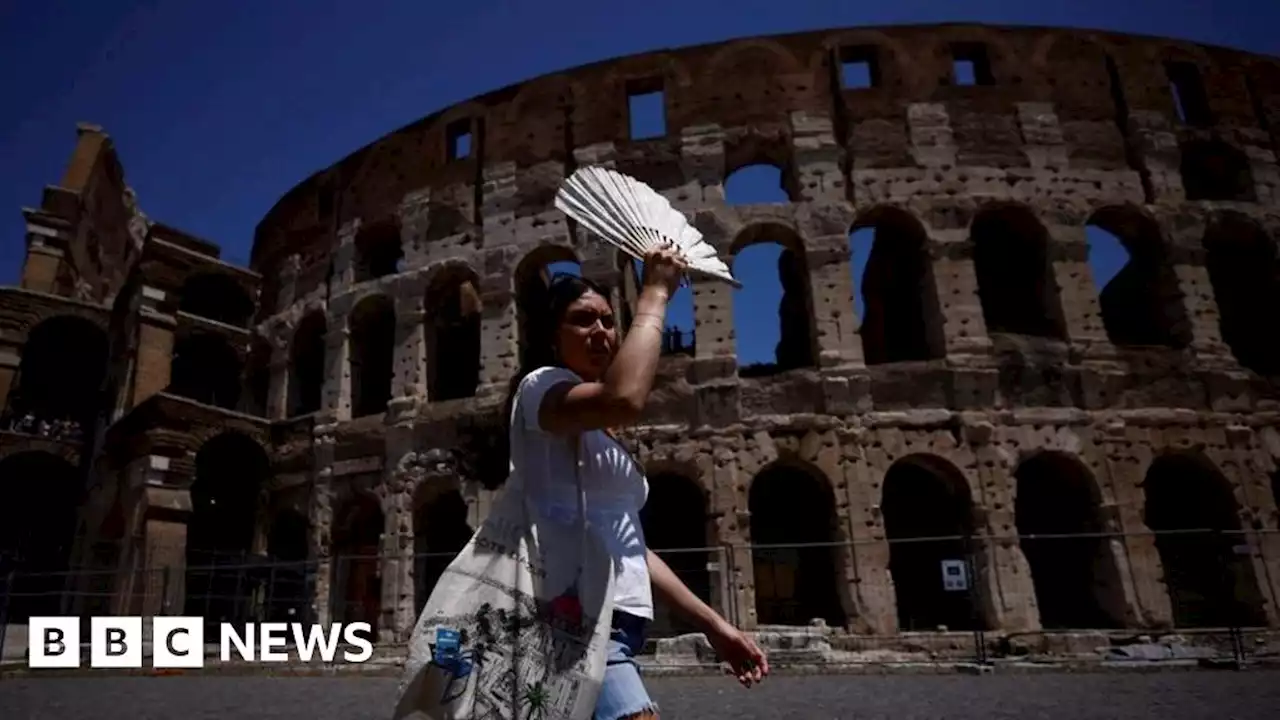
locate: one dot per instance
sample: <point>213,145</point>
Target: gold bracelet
<point>655,316</point>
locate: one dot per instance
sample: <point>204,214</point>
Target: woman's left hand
<point>746,660</point>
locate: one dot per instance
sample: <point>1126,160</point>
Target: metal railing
<point>1211,588</point>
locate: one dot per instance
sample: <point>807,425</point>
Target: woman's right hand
<point>663,269</point>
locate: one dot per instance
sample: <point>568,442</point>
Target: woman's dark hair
<point>545,306</point>
<point>544,310</point>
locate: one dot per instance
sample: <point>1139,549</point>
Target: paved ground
<point>1126,696</point>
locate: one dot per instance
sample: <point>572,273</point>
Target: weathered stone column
<point>718,581</point>
<point>817,157</point>
<point>320,545</point>
<point>409,376</point>
<point>827,453</point>
<point>155,349</point>
<point>287,290</point>
<point>870,583</point>
<point>10,360</point>
<point>402,472</point>
<point>414,215</point>
<point>344,255</point>
<point>932,141</point>
<point>1003,576</point>
<point>713,308</point>
<point>396,571</point>
<point>1199,305</point>
<point>152,568</point>
<point>47,238</point>
<point>1257,548</point>
<point>1129,453</point>
<point>830,280</point>
<point>733,529</point>
<point>1077,293</point>
<point>336,397</point>
<point>278,386</point>
<point>964,329</point>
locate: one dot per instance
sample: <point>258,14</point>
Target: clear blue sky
<point>218,108</point>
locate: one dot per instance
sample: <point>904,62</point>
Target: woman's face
<point>587,336</point>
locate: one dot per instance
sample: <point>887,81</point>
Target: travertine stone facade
<point>988,364</point>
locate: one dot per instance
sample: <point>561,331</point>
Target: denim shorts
<point>623,693</point>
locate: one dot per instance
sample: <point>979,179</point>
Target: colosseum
<point>309,436</point>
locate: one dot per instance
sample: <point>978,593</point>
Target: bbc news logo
<point>179,642</point>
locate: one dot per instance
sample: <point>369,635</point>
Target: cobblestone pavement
<point>1131,696</point>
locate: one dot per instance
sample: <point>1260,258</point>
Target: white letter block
<point>115,642</point>
<point>177,642</point>
<point>53,642</point>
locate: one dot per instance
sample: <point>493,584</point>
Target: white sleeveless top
<point>615,486</point>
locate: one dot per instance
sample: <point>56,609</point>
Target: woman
<point>579,381</point>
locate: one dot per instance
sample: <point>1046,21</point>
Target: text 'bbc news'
<point>179,642</point>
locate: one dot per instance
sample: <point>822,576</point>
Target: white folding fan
<point>635,218</point>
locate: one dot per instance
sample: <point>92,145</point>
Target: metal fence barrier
<point>923,592</point>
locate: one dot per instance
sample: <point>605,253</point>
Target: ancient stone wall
<point>1018,364</point>
<point>975,386</point>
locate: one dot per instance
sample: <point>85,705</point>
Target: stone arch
<point>288,551</point>
<point>359,524</point>
<point>1241,261</point>
<point>231,471</point>
<point>747,79</point>
<point>674,521</point>
<point>641,74</point>
<point>440,531</point>
<point>215,295</point>
<point>40,495</point>
<point>892,56</point>
<point>1166,49</point>
<point>1011,258</point>
<point>758,169</point>
<point>207,369</point>
<point>928,518</point>
<point>1057,510</point>
<point>1003,60</point>
<point>467,110</point>
<point>1142,304</point>
<point>69,452</point>
<point>538,121</point>
<point>797,344</point>
<point>60,377</point>
<point>1192,509</point>
<point>373,179</point>
<point>1216,170</point>
<point>723,60</point>
<point>752,86</point>
<point>901,318</point>
<point>453,312</point>
<point>379,251</point>
<point>668,65</point>
<point>202,431</point>
<point>1074,93</point>
<point>372,359</point>
<point>530,282</point>
<point>794,525</point>
<point>307,364</point>
<point>445,221</point>
<point>546,92</point>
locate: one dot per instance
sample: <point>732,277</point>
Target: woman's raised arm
<point>619,395</point>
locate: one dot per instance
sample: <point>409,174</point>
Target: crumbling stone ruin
<point>337,401</point>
